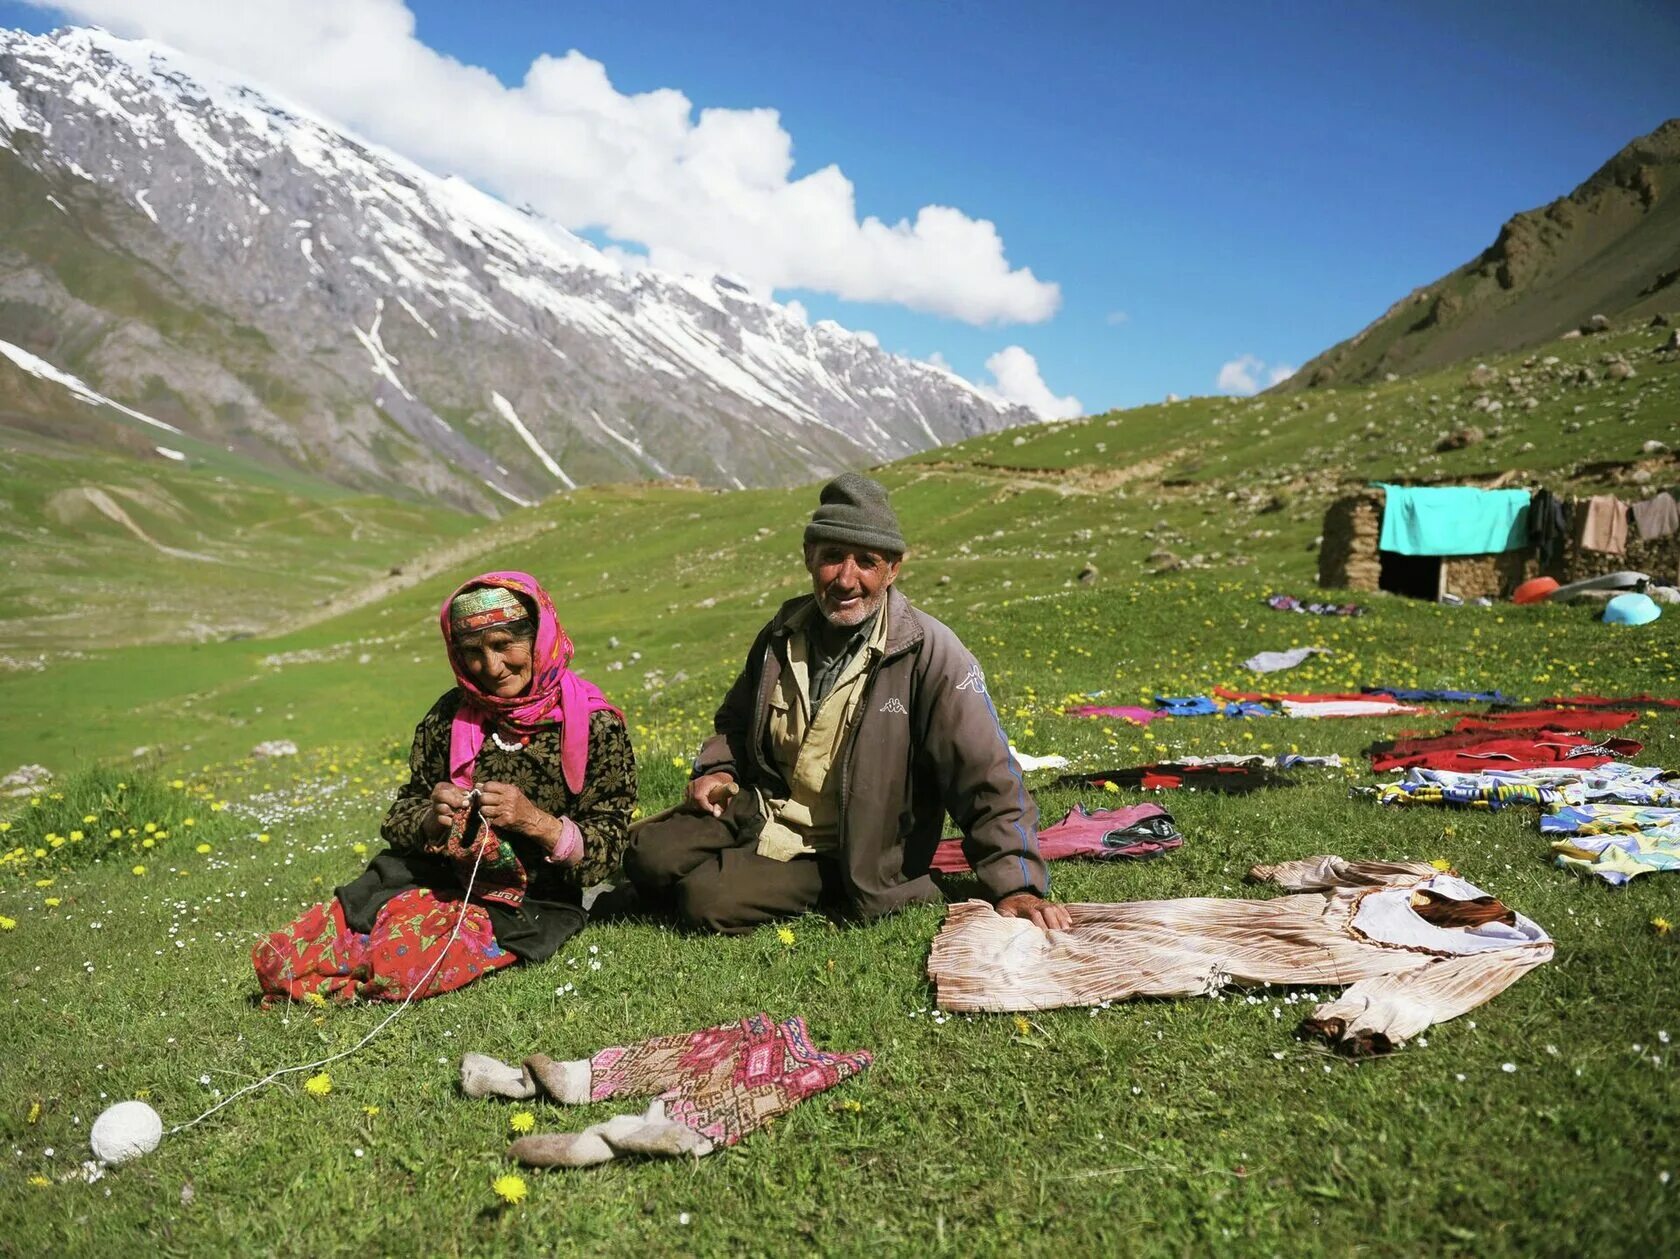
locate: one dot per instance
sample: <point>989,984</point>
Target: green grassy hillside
<point>1542,1123</point>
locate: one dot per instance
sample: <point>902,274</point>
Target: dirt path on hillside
<point>108,507</point>
<point>413,572</point>
<point>1080,479</point>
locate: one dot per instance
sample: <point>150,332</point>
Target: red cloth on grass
<point>1578,751</point>
<point>318,953</point>
<point>1548,719</point>
<point>1599,701</point>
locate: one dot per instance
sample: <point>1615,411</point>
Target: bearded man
<point>856,725</point>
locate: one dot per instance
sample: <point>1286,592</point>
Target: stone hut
<point>1351,559</point>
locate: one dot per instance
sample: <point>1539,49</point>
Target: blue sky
<point>1202,183</point>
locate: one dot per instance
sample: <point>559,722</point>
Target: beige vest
<point>807,745</point>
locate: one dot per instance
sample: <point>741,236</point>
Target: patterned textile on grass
<point>1289,603</point>
<point>1456,697</point>
<point>1619,701</point>
<point>1415,946</point>
<point>1609,819</point>
<point>1495,795</point>
<point>1612,783</point>
<point>1618,858</point>
<point>714,1087</point>
<point>1135,831</point>
<point>318,954</point>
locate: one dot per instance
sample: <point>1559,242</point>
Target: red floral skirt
<point>319,954</point>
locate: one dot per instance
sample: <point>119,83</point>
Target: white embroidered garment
<point>1383,929</point>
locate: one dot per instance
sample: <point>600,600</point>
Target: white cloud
<point>699,191</point>
<point>1016,379</point>
<point>1118,317</point>
<point>1244,373</point>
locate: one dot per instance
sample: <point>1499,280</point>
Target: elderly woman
<point>521,786</point>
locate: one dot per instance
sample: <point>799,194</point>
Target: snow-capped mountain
<point>232,266</point>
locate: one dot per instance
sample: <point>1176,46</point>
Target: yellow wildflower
<point>116,832</point>
<point>314,998</point>
<point>370,1111</point>
<point>138,870</point>
<point>7,924</point>
<point>1441,863</point>
<point>34,1113</point>
<point>1022,1026</point>
<point>263,838</point>
<point>75,837</point>
<point>522,1121</point>
<point>150,827</point>
<point>39,1181</point>
<point>785,935</point>
<point>202,849</point>
<point>1661,926</point>
<point>510,1188</point>
<point>53,902</point>
<point>318,1085</point>
<point>359,849</point>
<point>90,817</point>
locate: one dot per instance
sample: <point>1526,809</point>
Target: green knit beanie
<point>854,512</point>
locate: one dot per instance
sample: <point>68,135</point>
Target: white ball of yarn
<point>124,1131</point>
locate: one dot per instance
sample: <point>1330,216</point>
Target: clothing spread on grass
<point>1289,603</point>
<point>1657,517</point>
<point>1609,819</point>
<point>1455,697</point>
<point>1415,946</point>
<point>1601,524</point>
<point>1121,712</point>
<point>1176,775</point>
<point>1452,520</point>
<point>1321,708</point>
<point>1501,750</point>
<point>713,1087</point>
<point>1548,719</point>
<point>1619,701</point>
<point>1138,830</point>
<point>1289,760</point>
<point>1616,842</point>
<point>319,954</point>
<point>1278,661</point>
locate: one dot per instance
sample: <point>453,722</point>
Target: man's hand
<point>505,807</point>
<point>709,793</point>
<point>447,800</point>
<point>1037,910</point>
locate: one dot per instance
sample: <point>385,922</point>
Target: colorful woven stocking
<point>714,1087</point>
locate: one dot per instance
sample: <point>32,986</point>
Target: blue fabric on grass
<point>1452,520</point>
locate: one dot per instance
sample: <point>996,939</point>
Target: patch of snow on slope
<point>504,408</point>
<point>75,384</point>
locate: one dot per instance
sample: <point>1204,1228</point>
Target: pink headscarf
<point>556,696</point>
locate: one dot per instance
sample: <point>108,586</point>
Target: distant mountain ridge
<point>233,267</point>
<point>1611,248</point>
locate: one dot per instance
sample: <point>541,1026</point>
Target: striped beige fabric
<point>1401,973</point>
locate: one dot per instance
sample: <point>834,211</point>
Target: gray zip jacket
<point>926,742</point>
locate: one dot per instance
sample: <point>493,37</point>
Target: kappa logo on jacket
<point>974,681</point>
<point>894,705</point>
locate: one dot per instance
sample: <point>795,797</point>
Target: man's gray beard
<point>864,610</point>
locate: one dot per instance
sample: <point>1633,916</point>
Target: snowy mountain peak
<point>407,330</point>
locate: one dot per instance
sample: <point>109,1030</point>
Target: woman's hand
<point>447,801</point>
<point>505,807</point>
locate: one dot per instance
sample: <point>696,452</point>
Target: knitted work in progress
<point>714,1087</point>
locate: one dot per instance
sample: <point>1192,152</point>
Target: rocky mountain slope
<point>229,270</point>
<point>1611,248</point>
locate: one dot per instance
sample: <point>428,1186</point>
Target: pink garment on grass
<point>556,696</point>
<point>1139,716</point>
<point>1082,834</point>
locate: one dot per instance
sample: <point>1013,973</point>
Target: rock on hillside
<point>231,265</point>
<point>1611,248</point>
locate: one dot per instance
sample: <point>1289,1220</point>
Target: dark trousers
<point>707,871</point>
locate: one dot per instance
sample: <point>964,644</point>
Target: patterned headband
<point>486,606</point>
